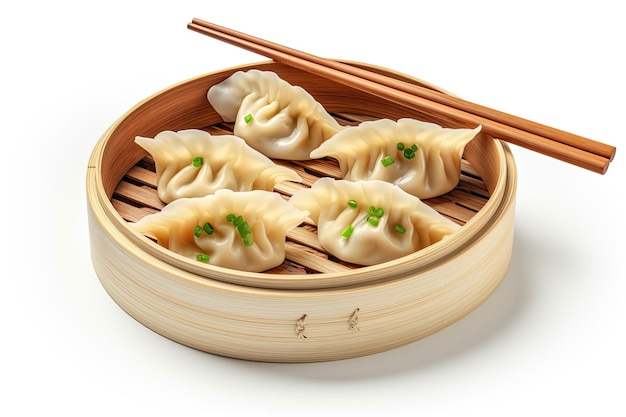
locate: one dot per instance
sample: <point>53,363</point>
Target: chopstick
<point>567,147</point>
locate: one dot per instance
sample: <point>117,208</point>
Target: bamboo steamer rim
<point>502,195</point>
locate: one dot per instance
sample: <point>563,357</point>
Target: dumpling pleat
<point>227,163</point>
<point>269,216</point>
<point>286,121</point>
<point>403,226</point>
<point>434,170</point>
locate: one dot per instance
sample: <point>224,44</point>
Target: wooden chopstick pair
<point>577,150</point>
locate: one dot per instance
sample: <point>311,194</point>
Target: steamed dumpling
<point>375,150</point>
<point>194,163</point>
<point>370,222</point>
<point>239,230</point>
<point>277,119</point>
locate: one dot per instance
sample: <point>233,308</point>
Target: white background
<point>550,341</point>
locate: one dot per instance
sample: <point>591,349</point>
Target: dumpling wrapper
<point>269,216</point>
<point>286,121</point>
<point>434,171</point>
<point>327,201</point>
<point>227,163</point>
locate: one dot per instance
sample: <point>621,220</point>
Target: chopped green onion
<point>373,221</point>
<point>371,210</point>
<point>238,221</point>
<point>208,228</point>
<point>386,161</point>
<point>197,161</point>
<point>248,118</point>
<point>202,257</point>
<point>347,231</point>
<point>248,240</point>
<point>353,203</point>
<point>244,229</point>
<point>400,146</point>
<point>197,231</point>
<point>379,212</point>
<point>409,153</point>
<point>414,147</point>
<point>399,229</point>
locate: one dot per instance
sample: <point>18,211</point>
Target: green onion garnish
<point>202,257</point>
<point>399,229</point>
<point>244,229</point>
<point>248,240</point>
<point>353,203</point>
<point>208,228</point>
<point>409,153</point>
<point>197,161</point>
<point>373,220</point>
<point>386,161</point>
<point>379,212</point>
<point>248,118</point>
<point>400,146</point>
<point>347,231</point>
<point>371,210</point>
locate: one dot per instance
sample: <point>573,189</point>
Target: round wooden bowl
<point>313,307</point>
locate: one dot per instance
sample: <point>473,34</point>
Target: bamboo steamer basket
<point>313,307</point>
